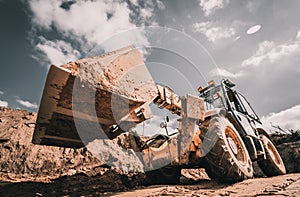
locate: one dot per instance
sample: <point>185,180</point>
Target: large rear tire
<point>228,159</point>
<point>273,164</point>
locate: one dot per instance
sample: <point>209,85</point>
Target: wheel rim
<point>232,145</point>
<point>273,153</point>
<point>235,145</point>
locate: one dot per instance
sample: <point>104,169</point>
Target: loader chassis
<point>218,123</point>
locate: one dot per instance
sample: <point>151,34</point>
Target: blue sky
<point>265,63</point>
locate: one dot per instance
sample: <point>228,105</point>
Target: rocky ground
<point>286,185</point>
<point>50,170</point>
<point>34,170</point>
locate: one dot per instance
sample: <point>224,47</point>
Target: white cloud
<point>286,119</point>
<point>261,53</point>
<point>84,20</point>
<point>134,2</point>
<point>27,104</point>
<point>3,103</point>
<point>161,5</point>
<point>89,23</point>
<point>57,52</point>
<point>274,68</point>
<point>213,33</point>
<point>225,73</point>
<point>146,12</point>
<point>298,35</point>
<point>94,21</point>
<point>269,52</point>
<point>210,6</point>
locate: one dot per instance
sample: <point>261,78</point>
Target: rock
<point>71,172</point>
<point>190,175</point>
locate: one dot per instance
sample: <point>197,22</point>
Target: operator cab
<point>237,107</point>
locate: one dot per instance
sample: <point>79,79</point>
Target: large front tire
<point>273,164</point>
<point>228,159</point>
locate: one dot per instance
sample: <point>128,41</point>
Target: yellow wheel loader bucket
<point>96,92</point>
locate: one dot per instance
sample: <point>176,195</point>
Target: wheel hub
<point>236,145</point>
<point>232,145</point>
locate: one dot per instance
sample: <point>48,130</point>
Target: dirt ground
<point>35,170</point>
<point>286,185</point>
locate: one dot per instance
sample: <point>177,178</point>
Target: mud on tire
<point>226,157</point>
<point>273,164</point>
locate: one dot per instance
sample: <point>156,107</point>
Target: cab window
<point>235,102</point>
<point>247,107</point>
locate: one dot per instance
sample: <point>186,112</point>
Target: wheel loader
<point>108,96</point>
